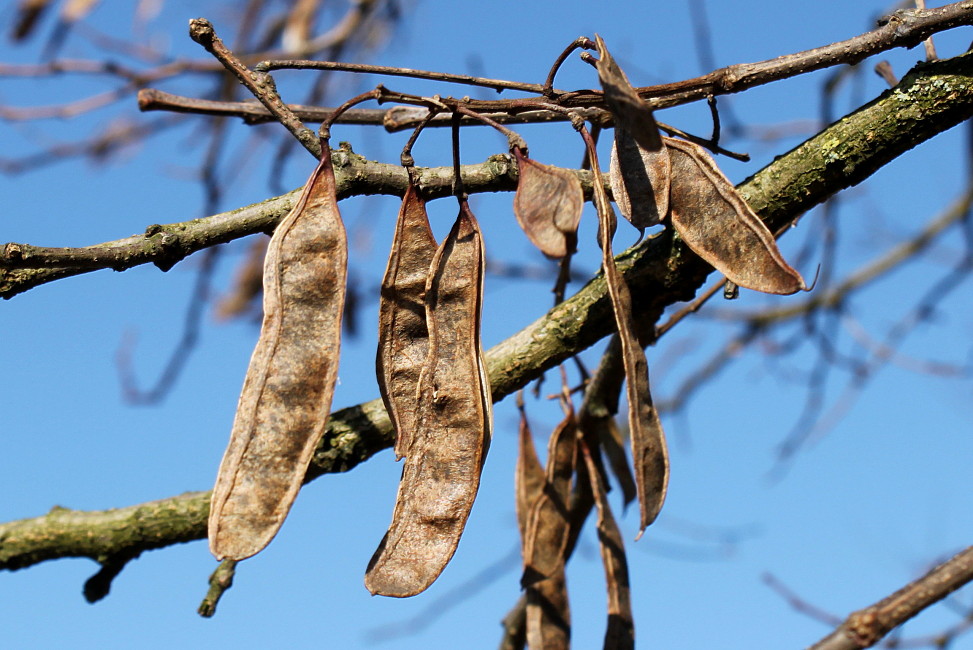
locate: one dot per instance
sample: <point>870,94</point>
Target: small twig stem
<point>496,84</point>
<point>260,84</point>
<point>580,42</point>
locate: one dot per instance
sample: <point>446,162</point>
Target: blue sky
<point>858,514</point>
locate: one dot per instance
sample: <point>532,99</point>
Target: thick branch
<point>660,271</point>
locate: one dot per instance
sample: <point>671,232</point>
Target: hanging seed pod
<point>639,169</point>
<point>548,613</point>
<point>548,205</point>
<point>441,474</point>
<point>620,634</point>
<point>286,397</point>
<point>529,479</point>
<point>403,338</point>
<point>718,225</point>
<point>639,180</point>
<point>630,111</point>
<point>650,455</point>
<point>548,524</point>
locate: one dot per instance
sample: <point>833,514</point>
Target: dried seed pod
<point>403,338</point>
<point>620,634</point>
<point>718,225</point>
<point>548,205</point>
<point>441,474</point>
<point>639,169</point>
<point>548,524</point>
<point>630,111</point>
<point>639,180</point>
<point>650,455</point>
<point>529,479</point>
<point>548,614</point>
<point>286,397</point>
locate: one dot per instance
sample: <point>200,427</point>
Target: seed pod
<point>547,524</point>
<point>548,205</point>
<point>403,338</point>
<point>547,611</point>
<point>650,455</point>
<point>620,634</point>
<point>286,397</point>
<point>639,180</point>
<point>529,479</point>
<point>630,111</point>
<point>718,225</point>
<point>441,474</point>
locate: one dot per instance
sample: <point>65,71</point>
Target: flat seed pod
<point>286,397</point>
<point>548,522</point>
<point>718,225</point>
<point>650,456</point>
<point>548,205</point>
<point>441,474</point>
<point>630,111</point>
<point>403,338</point>
<point>530,477</point>
<point>639,180</point>
<point>620,634</point>
<point>548,614</point>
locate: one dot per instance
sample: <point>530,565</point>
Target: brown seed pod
<point>639,180</point>
<point>286,397</point>
<point>547,523</point>
<point>650,455</point>
<point>403,338</point>
<point>529,479</point>
<point>548,205</point>
<point>630,111</point>
<point>441,474</point>
<point>548,614</point>
<point>718,225</point>
<point>620,634</point>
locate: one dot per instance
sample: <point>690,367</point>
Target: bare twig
<point>901,29</point>
<point>260,84</point>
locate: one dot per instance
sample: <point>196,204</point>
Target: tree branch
<point>866,627</point>
<point>931,99</point>
<point>903,28</point>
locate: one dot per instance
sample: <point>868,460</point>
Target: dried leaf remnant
<point>548,205</point>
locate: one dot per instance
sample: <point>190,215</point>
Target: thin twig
<point>496,84</point>
<point>260,84</point>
